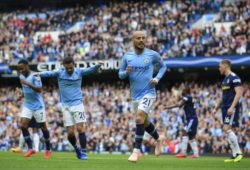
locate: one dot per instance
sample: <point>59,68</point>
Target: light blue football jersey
<point>33,100</point>
<point>70,85</point>
<point>142,71</point>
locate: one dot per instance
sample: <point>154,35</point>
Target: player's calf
<point>46,136</point>
<point>158,145</point>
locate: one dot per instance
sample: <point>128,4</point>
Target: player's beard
<point>141,45</point>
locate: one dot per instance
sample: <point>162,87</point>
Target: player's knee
<point>79,129</point>
<point>140,117</point>
<point>184,133</point>
<point>146,122</point>
<point>226,128</point>
<point>139,120</point>
<point>43,126</point>
<point>35,130</point>
<point>24,126</point>
<point>25,122</point>
<point>191,136</point>
<point>70,133</point>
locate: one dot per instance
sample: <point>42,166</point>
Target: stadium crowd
<point>107,30</point>
<point>111,123</point>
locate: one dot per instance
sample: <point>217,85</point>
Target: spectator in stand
<point>104,31</point>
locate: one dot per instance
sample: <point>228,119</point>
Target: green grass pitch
<point>68,161</point>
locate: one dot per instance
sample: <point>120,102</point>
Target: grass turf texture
<point>68,161</point>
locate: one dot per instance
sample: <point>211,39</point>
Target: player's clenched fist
<point>25,82</point>
<point>128,69</point>
<point>154,81</point>
<point>19,93</point>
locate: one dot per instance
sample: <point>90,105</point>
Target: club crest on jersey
<point>146,60</point>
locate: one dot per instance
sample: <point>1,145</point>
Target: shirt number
<point>146,101</point>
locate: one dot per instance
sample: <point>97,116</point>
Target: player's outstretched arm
<point>171,107</point>
<point>53,73</point>
<point>37,88</point>
<point>19,93</point>
<point>180,104</point>
<point>162,69</point>
<point>91,69</point>
<point>124,69</point>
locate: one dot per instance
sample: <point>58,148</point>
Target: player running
<point>138,65</point>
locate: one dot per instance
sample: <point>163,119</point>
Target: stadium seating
<point>106,31</point>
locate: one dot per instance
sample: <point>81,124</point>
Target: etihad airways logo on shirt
<point>134,68</point>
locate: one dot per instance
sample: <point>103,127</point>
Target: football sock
<point>140,129</point>
<point>47,139</point>
<point>152,131</point>
<point>193,145</point>
<point>36,141</point>
<point>26,136</point>
<point>83,141</point>
<point>72,140</point>
<point>233,141</point>
<point>184,145</point>
<point>21,141</point>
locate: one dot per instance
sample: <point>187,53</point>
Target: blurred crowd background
<point>106,30</point>
<point>112,125</point>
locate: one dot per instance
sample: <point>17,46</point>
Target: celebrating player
<point>138,65</point>
<point>70,81</point>
<point>36,140</point>
<point>33,106</point>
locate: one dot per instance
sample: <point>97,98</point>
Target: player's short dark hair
<point>68,60</point>
<point>227,62</point>
<point>23,61</point>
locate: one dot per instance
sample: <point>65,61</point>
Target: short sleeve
<point>185,99</point>
<point>236,81</point>
<point>156,58</point>
<point>37,81</point>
